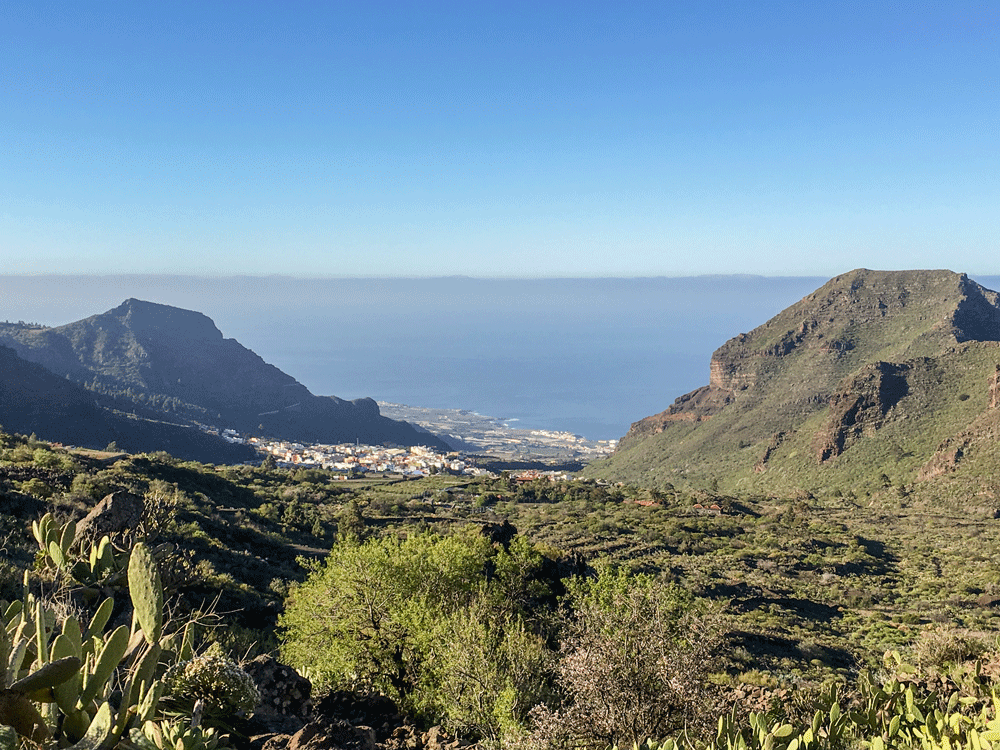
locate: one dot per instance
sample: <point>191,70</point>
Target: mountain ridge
<point>864,353</point>
<point>178,362</point>
<point>34,400</point>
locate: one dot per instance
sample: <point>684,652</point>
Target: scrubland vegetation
<point>532,615</point>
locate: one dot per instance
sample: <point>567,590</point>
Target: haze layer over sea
<point>588,356</point>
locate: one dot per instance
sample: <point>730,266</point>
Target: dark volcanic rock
<point>334,734</point>
<point>285,695</point>
<point>366,710</point>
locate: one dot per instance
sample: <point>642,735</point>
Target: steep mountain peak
<point>856,318</point>
<point>153,318</point>
<point>897,313</point>
<point>977,315</point>
<point>904,309</point>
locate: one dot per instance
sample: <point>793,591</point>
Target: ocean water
<point>589,356</point>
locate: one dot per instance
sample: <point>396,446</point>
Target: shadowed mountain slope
<point>177,362</point>
<point>34,400</point>
<point>868,376</point>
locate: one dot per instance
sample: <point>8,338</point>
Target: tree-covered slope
<point>868,376</point>
<point>34,400</point>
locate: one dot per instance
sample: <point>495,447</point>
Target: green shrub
<point>442,624</point>
<point>943,646</point>
<point>636,661</point>
<point>37,487</point>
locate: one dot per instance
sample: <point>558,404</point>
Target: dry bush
<point>634,665</point>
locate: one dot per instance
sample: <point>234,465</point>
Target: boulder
<point>285,696</point>
<point>325,734</point>
<point>119,511</point>
<point>361,710</point>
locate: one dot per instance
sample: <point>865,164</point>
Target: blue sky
<point>498,139</point>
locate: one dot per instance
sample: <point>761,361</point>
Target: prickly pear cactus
<point>146,591</point>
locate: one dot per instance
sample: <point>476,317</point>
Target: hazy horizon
<point>589,356</point>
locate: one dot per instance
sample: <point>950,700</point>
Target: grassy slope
<point>953,394</point>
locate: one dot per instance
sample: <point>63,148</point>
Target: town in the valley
<point>353,460</point>
<point>486,442</point>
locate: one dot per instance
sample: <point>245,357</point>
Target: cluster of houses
<point>353,459</point>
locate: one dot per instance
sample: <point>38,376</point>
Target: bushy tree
<point>446,625</point>
<point>491,672</point>
<point>351,522</point>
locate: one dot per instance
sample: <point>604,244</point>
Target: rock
<point>861,405</point>
<point>333,734</point>
<point>361,710</point>
<point>435,738</point>
<point>269,741</point>
<point>285,696</point>
<point>119,511</point>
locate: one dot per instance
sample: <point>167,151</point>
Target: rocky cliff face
<point>178,361</point>
<point>867,350</point>
<point>861,406</point>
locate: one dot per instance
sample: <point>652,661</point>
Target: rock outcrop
<point>861,405</point>
<point>117,512</point>
<point>344,720</point>
<point>285,695</point>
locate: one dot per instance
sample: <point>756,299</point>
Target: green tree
<point>445,625</point>
<point>351,523</point>
<point>45,458</point>
<point>491,671</point>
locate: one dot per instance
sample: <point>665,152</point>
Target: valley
<point>811,538</point>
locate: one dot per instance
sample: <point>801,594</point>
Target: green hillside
<point>857,384</point>
<point>785,598</point>
<point>809,566</point>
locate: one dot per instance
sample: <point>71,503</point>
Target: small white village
<point>354,460</point>
<point>479,436</point>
